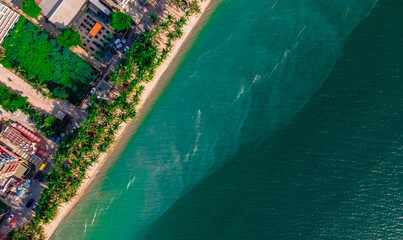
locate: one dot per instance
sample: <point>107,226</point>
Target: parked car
<point>10,220</point>
<point>55,139</point>
<point>35,206</point>
<point>38,175</point>
<point>29,203</point>
<point>41,178</point>
<point>43,166</point>
<point>93,90</point>
<point>126,49</point>
<point>10,217</point>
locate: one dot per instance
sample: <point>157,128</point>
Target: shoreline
<point>91,173</point>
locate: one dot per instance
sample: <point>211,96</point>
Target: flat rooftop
<point>65,12</point>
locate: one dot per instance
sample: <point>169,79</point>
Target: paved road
<point>45,105</point>
<point>18,208</point>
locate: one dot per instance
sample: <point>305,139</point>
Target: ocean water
<point>284,120</point>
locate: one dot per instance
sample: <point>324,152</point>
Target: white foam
<point>198,118</point>
<point>93,219</point>
<point>186,159</point>
<point>130,182</point>
<point>256,79</point>
<point>240,93</point>
<point>110,203</point>
<point>85,226</point>
<point>195,146</point>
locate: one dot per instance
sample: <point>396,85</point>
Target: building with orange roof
<point>95,29</point>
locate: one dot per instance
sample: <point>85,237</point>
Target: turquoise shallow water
<point>283,121</point>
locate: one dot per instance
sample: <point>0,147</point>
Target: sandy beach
<point>65,208</point>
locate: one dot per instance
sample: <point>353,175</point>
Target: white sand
<point>65,208</point>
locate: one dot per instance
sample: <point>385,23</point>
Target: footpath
<point>44,105</point>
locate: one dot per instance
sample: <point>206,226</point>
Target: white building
<point>7,20</point>
<point>61,12</point>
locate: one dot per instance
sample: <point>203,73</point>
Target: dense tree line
<point>31,8</point>
<point>45,63</point>
<point>69,38</point>
<point>80,149</point>
<point>11,101</point>
<point>191,6</point>
<point>120,21</point>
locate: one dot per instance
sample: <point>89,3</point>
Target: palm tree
<point>83,137</point>
<point>157,29</point>
<point>27,232</point>
<point>194,8</point>
<point>50,213</point>
<point>170,18</point>
<point>93,156</point>
<point>2,54</point>
<point>116,125</point>
<point>111,132</point>
<point>36,84</point>
<point>123,117</point>
<point>53,179</point>
<point>99,130</point>
<point>131,113</point>
<point>93,115</point>
<point>165,25</point>
<point>47,94</point>
<point>109,119</point>
<point>178,3</point>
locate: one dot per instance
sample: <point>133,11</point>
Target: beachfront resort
<point>71,76</point>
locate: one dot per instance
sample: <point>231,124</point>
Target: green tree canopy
<point>194,8</point>
<point>69,38</point>
<point>153,17</point>
<point>180,3</point>
<point>11,101</point>
<point>42,60</point>
<point>30,8</point>
<point>120,21</point>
